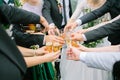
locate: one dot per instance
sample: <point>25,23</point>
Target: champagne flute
<point>56,46</point>
<point>70,42</point>
<point>49,47</point>
<point>68,39</point>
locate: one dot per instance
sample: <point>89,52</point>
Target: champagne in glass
<point>49,46</point>
<point>74,43</point>
<point>56,46</point>
<point>68,39</point>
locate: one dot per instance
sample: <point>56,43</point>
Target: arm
<point>115,48</point>
<point>102,60</point>
<point>103,31</point>
<point>103,23</point>
<point>26,40</point>
<point>44,22</point>
<point>90,16</point>
<point>26,52</point>
<point>18,16</point>
<point>78,10</point>
<point>97,13</point>
<point>32,61</point>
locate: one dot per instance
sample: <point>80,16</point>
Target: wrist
<point>52,26</point>
<point>71,20</point>
<point>34,53</point>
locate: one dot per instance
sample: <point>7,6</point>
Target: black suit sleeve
<point>97,13</point>
<point>46,11</point>
<point>106,30</point>
<point>25,39</point>
<point>15,15</point>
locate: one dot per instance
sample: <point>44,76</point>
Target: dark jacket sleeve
<point>106,30</point>
<point>46,11</point>
<point>25,39</point>
<point>97,13</point>
<point>15,15</point>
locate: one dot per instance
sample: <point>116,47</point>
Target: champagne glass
<point>49,47</point>
<point>56,46</point>
<point>68,39</point>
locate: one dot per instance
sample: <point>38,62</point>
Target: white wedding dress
<point>76,70</point>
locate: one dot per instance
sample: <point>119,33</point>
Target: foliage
<point>17,3</point>
<point>34,47</point>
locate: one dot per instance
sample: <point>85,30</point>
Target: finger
<point>65,28</point>
<point>59,39</point>
<point>57,53</point>
<point>58,32</point>
<point>56,56</point>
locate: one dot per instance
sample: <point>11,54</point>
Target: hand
<point>44,22</point>
<point>77,36</point>
<point>70,26</point>
<point>73,53</point>
<point>51,56</point>
<point>51,31</point>
<point>53,38</point>
<point>41,51</point>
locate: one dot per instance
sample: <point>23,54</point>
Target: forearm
<point>96,13</point>
<point>26,52</point>
<point>32,61</point>
<point>78,10</point>
<point>104,49</point>
<point>13,15</point>
<point>101,32</point>
<point>101,60</point>
<point>103,23</point>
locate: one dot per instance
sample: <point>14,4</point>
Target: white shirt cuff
<point>51,24</point>
<point>79,22</point>
<point>82,56</point>
<point>44,42</point>
<point>84,37</point>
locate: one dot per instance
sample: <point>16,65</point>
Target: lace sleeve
<point>80,6</point>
